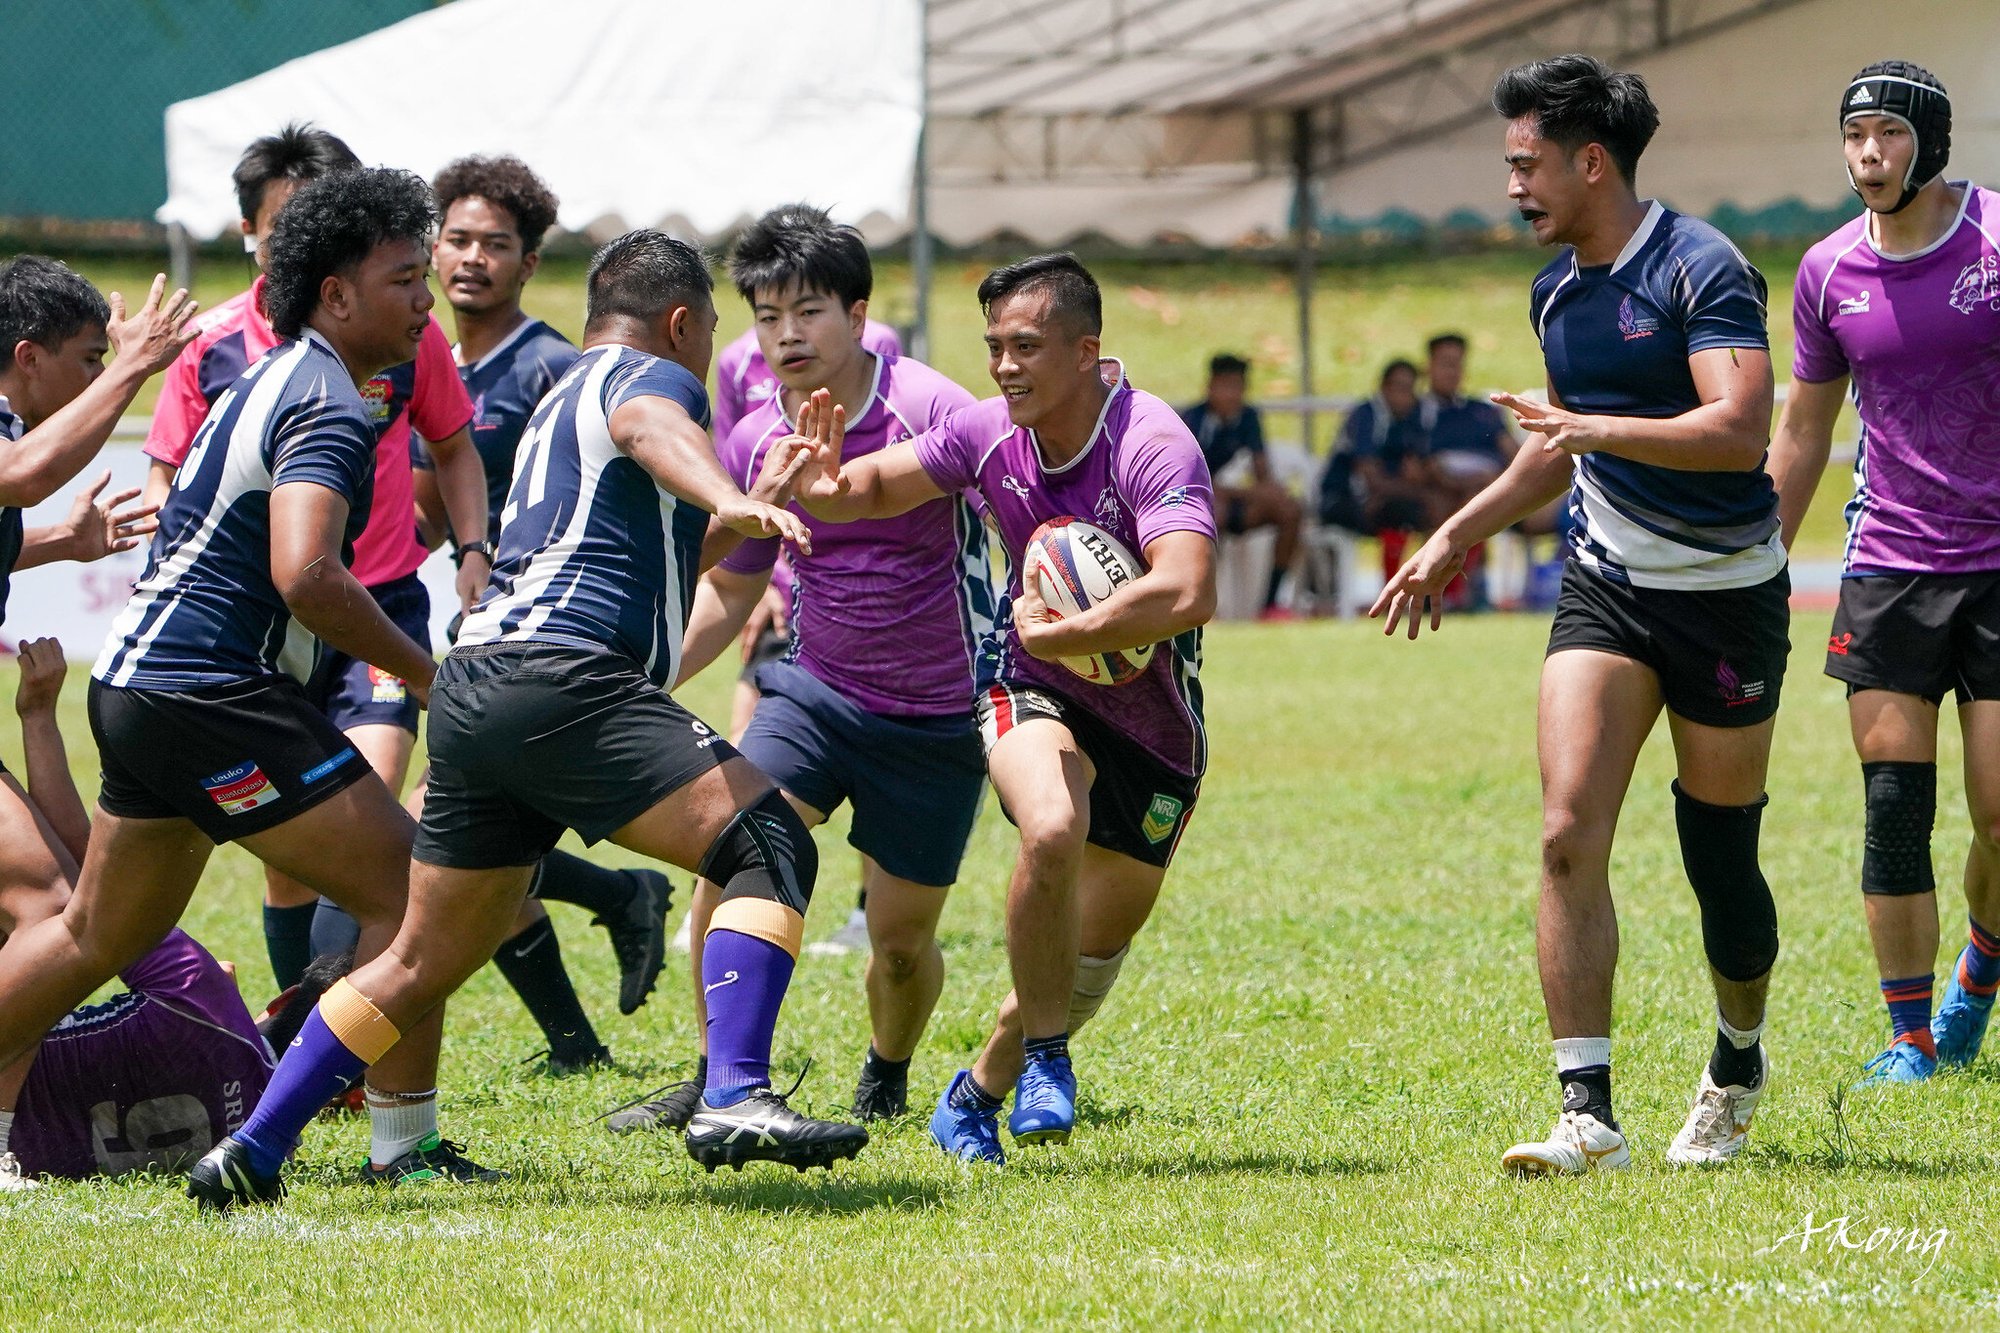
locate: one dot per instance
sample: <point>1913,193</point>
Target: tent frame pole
<point>920,213</point>
<point>1305,239</point>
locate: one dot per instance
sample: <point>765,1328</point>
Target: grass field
<point>1294,1104</point>
<point>1165,320</point>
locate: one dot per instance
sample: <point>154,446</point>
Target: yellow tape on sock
<point>356,1022</point>
<point>762,918</point>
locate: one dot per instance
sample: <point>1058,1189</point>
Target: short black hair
<point>1446,340</point>
<point>330,226</point>
<point>46,302</point>
<point>1228,363</point>
<point>643,274</point>
<point>297,1003</point>
<point>505,182</point>
<point>1578,100</point>
<point>1398,364</point>
<point>1075,297</point>
<point>797,245</point>
<point>299,152</point>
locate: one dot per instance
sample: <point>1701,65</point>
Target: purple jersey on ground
<point>1920,335</point>
<point>1140,477</point>
<point>150,1079</point>
<point>889,612</point>
<point>743,378</point>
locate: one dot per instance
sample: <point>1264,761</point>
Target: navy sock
<point>333,930</point>
<point>969,1096</point>
<point>1047,1048</point>
<point>744,979</point>
<point>1909,1001</point>
<point>315,1069</point>
<point>563,878</point>
<point>288,941</point>
<point>532,962</point>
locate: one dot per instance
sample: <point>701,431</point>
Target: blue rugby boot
<point>966,1123</point>
<point>1960,1023</point>
<point>1044,1101</point>
<point>1903,1062</point>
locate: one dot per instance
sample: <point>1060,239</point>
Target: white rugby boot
<point>1579,1143</point>
<point>1718,1126</point>
<point>11,1179</point>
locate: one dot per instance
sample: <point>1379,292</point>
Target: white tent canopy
<point>690,116</point>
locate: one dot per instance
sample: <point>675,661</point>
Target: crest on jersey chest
<point>1107,507</point>
<point>1978,284</point>
<point>375,394</point>
<point>1633,322</point>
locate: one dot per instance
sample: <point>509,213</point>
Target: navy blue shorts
<point>355,694</point>
<point>916,782</point>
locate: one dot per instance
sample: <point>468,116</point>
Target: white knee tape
<point>1094,979</point>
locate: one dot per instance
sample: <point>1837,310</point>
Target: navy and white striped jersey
<point>12,531</point>
<point>506,385</point>
<point>592,553</point>
<point>206,612</point>
<point>1616,340</point>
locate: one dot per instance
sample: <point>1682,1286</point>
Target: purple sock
<point>315,1070</point>
<point>744,980</point>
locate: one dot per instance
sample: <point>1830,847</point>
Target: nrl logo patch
<point>1162,816</point>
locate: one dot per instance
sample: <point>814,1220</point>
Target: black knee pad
<point>1902,807</point>
<point>765,852</point>
<point>1739,920</point>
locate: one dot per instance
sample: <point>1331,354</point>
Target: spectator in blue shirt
<point>1226,426</point>
<point>1469,440</point>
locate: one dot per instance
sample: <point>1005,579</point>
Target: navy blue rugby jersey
<point>12,531</point>
<point>592,552</point>
<point>206,612</point>
<point>506,385</point>
<point>1616,341</point>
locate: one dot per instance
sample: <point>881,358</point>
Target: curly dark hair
<point>330,226</point>
<point>1578,100</point>
<point>505,182</point>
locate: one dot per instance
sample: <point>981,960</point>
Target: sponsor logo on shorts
<point>707,734</point>
<point>1162,817</point>
<point>1854,305</point>
<point>1734,689</point>
<point>318,771</point>
<point>384,688</point>
<point>1838,644</point>
<point>240,789</point>
<point>1633,324</point>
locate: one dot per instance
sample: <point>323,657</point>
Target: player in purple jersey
<point>1099,780</point>
<point>1904,302</point>
<point>744,379</point>
<point>873,703</point>
<point>1675,598</point>
<point>150,1078</point>
<point>493,214</point>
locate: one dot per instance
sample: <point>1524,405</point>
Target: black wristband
<point>460,551</point>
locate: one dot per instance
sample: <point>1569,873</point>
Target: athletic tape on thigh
<point>1094,979</point>
<point>356,1022</point>
<point>1896,848</point>
<point>1739,920</point>
<point>762,918</point>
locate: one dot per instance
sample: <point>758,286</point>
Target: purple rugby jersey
<point>888,612</point>
<point>1920,335</point>
<point>1140,477</point>
<point>150,1079</point>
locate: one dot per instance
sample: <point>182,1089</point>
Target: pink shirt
<point>425,394</point>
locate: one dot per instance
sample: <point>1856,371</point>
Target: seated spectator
<point>1227,426</point>
<point>150,1079</point>
<point>1469,440</point>
<point>1381,480</point>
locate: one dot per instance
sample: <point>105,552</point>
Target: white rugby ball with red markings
<point>1075,566</point>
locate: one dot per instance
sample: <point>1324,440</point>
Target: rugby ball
<point>1075,566</point>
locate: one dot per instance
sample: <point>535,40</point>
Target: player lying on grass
<point>153,1076</point>
<point>874,702</point>
<point>1099,780</point>
<point>550,714</point>
<point>1905,302</point>
<point>1675,596</point>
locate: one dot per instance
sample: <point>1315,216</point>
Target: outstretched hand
<point>96,528</point>
<point>810,455</point>
<point>1561,430</point>
<point>755,518</point>
<point>152,338</point>
<point>1419,586</point>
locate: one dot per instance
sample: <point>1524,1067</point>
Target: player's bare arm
<point>1532,479</point>
<point>94,529</point>
<point>308,524</point>
<point>723,601</point>
<point>676,453</point>
<point>49,457</point>
<point>50,784</point>
<point>1727,433</point>
<point>1176,594</point>
<point>461,485</point>
<point>1800,449</point>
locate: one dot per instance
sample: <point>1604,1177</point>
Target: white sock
<point>1581,1052</point>
<point>6,1128</point>
<point>398,1122</point>
<point>1741,1038</point>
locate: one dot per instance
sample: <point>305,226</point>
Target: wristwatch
<point>463,549</point>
